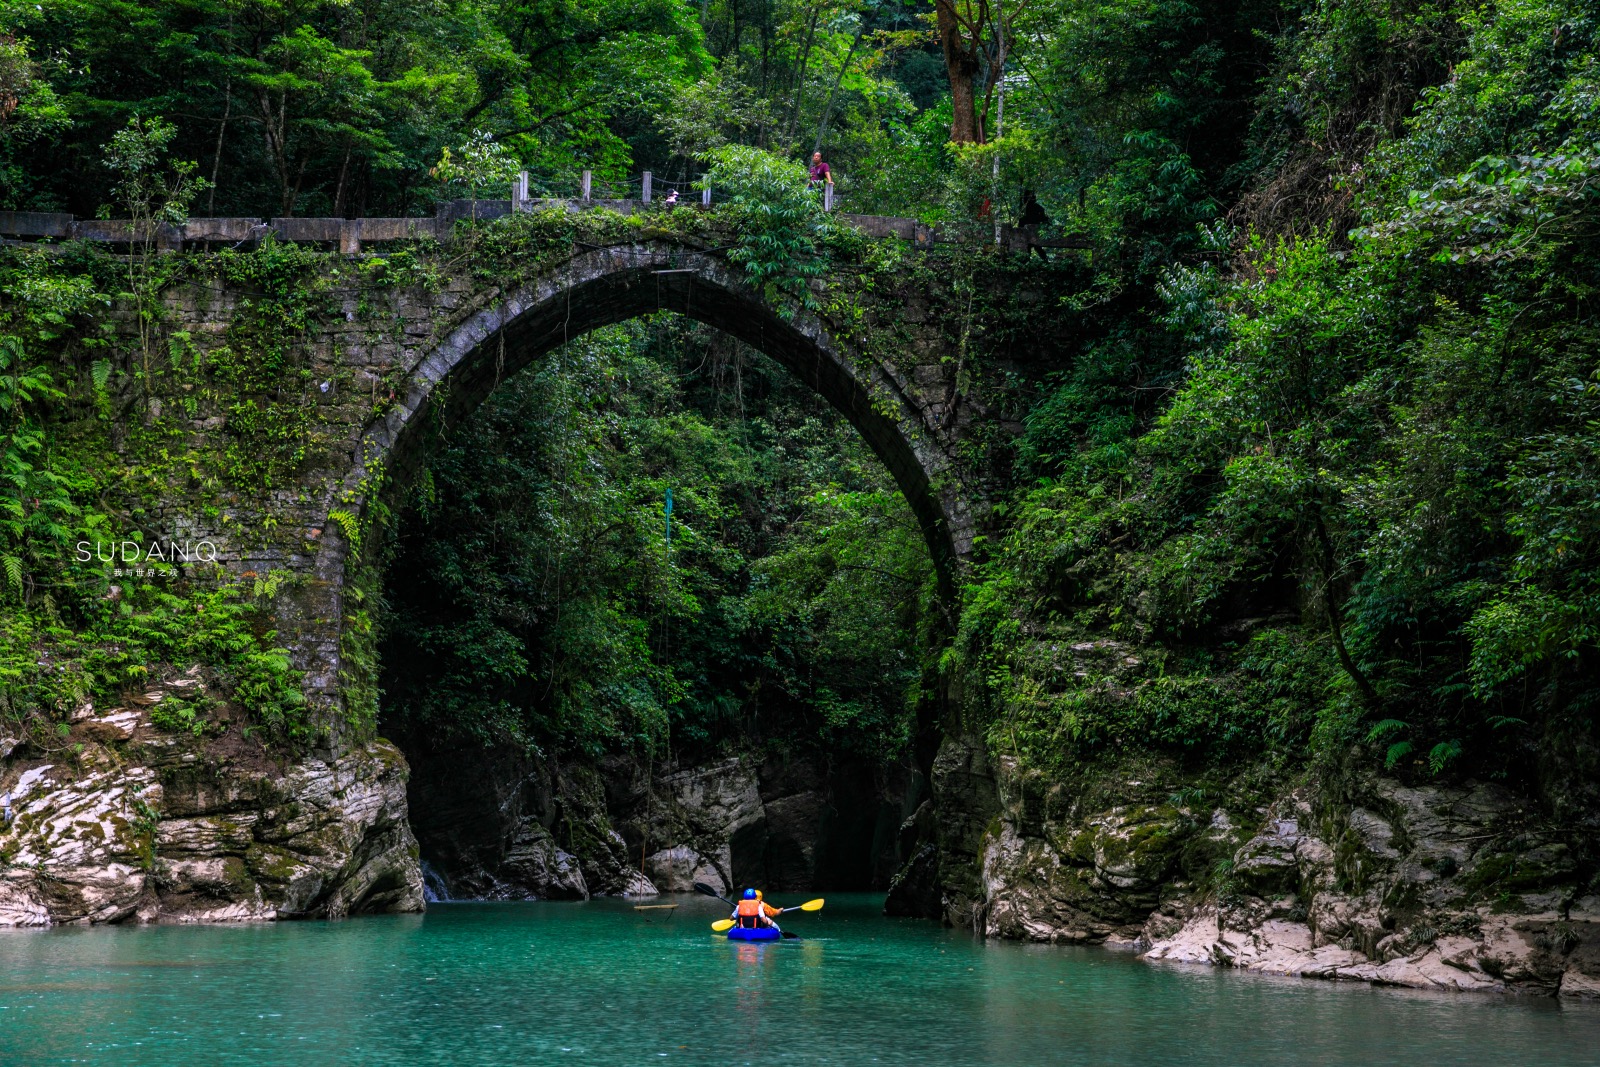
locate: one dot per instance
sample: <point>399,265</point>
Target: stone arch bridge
<point>909,336</point>
<point>288,380</point>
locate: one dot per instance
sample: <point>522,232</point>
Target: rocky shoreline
<point>532,828</point>
<point>1457,887</point>
<point>121,820</point>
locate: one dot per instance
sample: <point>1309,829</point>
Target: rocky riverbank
<point>118,819</point>
<point>137,813</point>
<point>1354,877</point>
<point>521,827</point>
<point>1362,877</point>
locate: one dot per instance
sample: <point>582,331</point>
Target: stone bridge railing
<point>349,235</point>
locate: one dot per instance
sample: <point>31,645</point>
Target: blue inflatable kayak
<point>760,933</point>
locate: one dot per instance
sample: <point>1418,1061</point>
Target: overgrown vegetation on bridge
<point>130,420</point>
<point>1322,472</point>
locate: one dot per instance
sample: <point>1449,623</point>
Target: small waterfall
<point>434,887</point>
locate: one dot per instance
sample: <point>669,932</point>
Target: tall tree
<point>976,36</point>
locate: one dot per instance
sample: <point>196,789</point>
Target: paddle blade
<point>701,887</point>
<point>789,935</point>
<point>812,905</point>
<point>722,925</point>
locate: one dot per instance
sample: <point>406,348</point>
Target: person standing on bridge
<point>1033,216</point>
<point>821,173</point>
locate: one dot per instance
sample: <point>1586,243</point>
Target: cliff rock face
<point>699,813</point>
<point>498,826</point>
<point>127,822</point>
<point>1428,886</point>
<point>1446,887</point>
<point>965,802</point>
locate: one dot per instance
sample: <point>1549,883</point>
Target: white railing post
<point>827,196</point>
<point>519,191</point>
<point>587,184</point>
<point>645,187</point>
<point>705,193</point>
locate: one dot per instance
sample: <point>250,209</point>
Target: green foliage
<point>324,108</point>
<point>35,507</point>
<point>139,631</point>
<point>263,368</point>
<point>148,189</point>
<point>178,716</point>
<point>1320,474</point>
<point>71,629</point>
<point>480,165</point>
<point>30,112</point>
<point>780,220</point>
<point>534,602</point>
<point>1381,442</point>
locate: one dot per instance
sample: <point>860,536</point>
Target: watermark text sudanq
<point>142,558</point>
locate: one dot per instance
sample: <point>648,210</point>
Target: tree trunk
<point>216,163</point>
<point>1330,602</point>
<point>827,109</point>
<point>344,172</point>
<point>961,64</point>
<point>799,82</point>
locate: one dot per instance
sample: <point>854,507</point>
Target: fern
<point>1385,728</point>
<point>1443,753</point>
<point>1397,752</point>
<point>100,371</point>
<point>13,568</point>
<point>267,588</point>
<point>349,524</point>
<point>177,345</point>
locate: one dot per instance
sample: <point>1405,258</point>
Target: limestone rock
<point>607,869</point>
<point>1576,983</point>
<point>791,834</point>
<point>966,801</point>
<point>545,870</point>
<point>1267,863</point>
<point>637,885</point>
<point>717,800</point>
<point>1431,887</point>
<point>1392,900</point>
<point>914,891</point>
<point>178,828</point>
<point>21,903</point>
<point>676,869</point>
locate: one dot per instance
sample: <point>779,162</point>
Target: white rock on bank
<point>638,885</point>
<point>676,869</point>
<point>95,843</point>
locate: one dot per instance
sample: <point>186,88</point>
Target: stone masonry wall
<point>396,357</point>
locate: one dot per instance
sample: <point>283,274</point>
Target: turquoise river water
<point>599,983</point>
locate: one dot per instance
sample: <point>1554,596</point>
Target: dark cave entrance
<point>498,825</point>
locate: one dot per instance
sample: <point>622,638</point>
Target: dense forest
<point>545,595</point>
<point>1323,474</point>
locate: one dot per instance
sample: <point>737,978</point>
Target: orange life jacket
<point>748,911</point>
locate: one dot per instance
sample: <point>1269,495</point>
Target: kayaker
<point>751,913</point>
<point>767,909</point>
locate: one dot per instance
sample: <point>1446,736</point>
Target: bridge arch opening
<point>500,822</point>
<point>614,284</point>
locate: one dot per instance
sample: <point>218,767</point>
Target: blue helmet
<point>749,894</point>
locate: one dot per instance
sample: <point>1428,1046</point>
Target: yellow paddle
<point>724,925</point>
